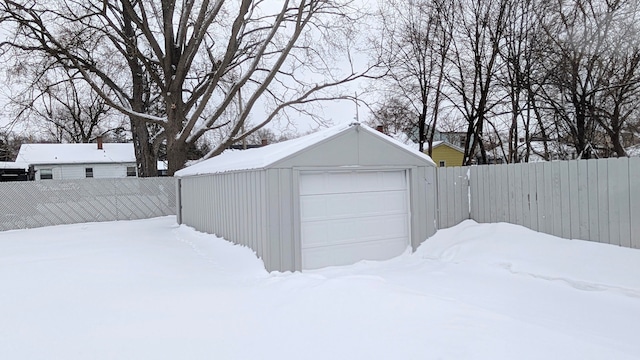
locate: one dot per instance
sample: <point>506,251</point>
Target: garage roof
<point>259,158</point>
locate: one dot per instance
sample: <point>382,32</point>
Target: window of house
<point>443,163</point>
<point>46,174</point>
<point>131,171</point>
<point>88,172</point>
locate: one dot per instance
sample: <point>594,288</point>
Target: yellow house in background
<point>446,154</point>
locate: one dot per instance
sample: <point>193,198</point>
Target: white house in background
<point>79,161</point>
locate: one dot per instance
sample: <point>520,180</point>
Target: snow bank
<point>583,264</point>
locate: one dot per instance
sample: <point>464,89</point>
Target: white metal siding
<point>229,205</point>
<point>348,216</point>
<point>71,172</point>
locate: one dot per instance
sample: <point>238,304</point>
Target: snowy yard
<point>149,289</point>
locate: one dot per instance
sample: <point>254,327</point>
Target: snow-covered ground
<point>150,289</point>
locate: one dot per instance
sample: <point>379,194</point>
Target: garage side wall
<point>423,204</point>
<point>284,252</point>
<point>231,205</point>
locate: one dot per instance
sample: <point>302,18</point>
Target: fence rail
<point>596,200</point>
<point>56,202</point>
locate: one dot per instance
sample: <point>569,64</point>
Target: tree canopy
<point>181,69</point>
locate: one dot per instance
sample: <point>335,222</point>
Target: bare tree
<point>174,68</point>
<point>65,109</point>
<point>414,45</point>
<point>396,116</point>
<point>517,54</point>
<point>591,71</point>
<point>480,27</point>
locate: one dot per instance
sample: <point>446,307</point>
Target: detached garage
<point>335,197</point>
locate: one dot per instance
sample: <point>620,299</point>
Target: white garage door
<point>349,216</point>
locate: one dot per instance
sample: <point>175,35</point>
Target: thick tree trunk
<point>176,157</point>
<point>145,157</point>
<point>422,119</point>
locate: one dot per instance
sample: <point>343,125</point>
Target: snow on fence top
<point>258,158</point>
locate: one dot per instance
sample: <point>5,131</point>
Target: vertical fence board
<point>432,199</point>
<point>504,191</point>
<point>451,194</point>
<point>625,206</point>
<point>443,200</point>
<point>545,205</point>
<point>613,197</point>
<point>594,206</point>
<point>553,208</point>
<point>473,191</point>
<point>518,199</point>
<point>621,201</point>
<point>566,216</point>
<point>532,197</point>
<point>463,192</point>
<point>603,192</point>
<point>526,204</point>
<point>499,192</point>
<point>583,200</point>
<point>484,206</point>
<point>493,195</point>
<point>634,201</point>
<point>574,199</point>
<point>488,193</point>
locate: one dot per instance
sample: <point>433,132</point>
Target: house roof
<point>13,165</point>
<point>52,154</point>
<point>445,143</point>
<point>233,160</point>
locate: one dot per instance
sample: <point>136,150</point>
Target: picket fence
<point>596,200</point>
<point>56,202</point>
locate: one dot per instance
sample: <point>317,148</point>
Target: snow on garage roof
<point>258,158</point>
<point>76,153</point>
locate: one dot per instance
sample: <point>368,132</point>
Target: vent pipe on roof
<point>264,142</point>
<point>380,128</point>
<point>99,142</point>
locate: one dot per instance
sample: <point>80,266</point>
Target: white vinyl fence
<point>596,200</point>
<point>55,202</point>
<point>453,195</point>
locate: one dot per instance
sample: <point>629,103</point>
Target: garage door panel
<point>321,207</point>
<point>349,182</point>
<point>326,182</point>
<point>353,215</point>
<point>347,254</point>
<point>341,231</point>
